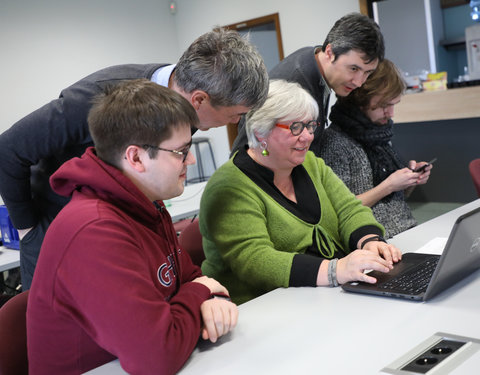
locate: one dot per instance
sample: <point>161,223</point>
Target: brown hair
<point>385,81</point>
<point>136,112</point>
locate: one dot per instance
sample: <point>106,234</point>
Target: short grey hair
<point>286,102</point>
<point>227,67</point>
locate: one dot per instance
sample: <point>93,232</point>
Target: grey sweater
<point>349,161</point>
<point>33,148</point>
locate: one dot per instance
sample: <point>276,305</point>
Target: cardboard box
<point>435,82</point>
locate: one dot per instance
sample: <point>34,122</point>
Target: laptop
<point>460,258</point>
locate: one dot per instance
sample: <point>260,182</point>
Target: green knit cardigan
<point>250,240</point>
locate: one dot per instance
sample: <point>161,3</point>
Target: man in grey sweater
<point>221,74</point>
<point>350,53</point>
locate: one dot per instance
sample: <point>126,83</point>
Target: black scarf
<point>375,139</point>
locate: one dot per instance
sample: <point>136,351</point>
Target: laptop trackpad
<point>409,260</point>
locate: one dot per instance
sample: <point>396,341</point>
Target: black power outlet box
<point>433,356</point>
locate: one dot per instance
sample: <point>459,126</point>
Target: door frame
<point>232,129</point>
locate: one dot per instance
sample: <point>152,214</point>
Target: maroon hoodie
<point>111,280</point>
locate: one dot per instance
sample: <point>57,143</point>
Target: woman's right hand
<point>352,267</point>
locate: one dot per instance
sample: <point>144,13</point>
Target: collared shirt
<point>324,86</point>
<point>326,97</point>
<point>162,75</point>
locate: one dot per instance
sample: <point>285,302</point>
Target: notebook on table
<point>421,276</point>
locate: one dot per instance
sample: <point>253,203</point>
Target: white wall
<point>50,44</point>
<point>413,48</point>
<point>47,45</point>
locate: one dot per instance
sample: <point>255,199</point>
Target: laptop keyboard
<point>415,281</point>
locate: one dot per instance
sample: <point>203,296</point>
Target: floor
<point>424,211</point>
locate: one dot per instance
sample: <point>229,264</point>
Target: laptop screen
<point>461,256</point>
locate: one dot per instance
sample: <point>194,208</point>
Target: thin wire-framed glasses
<point>297,127</point>
<point>383,106</point>
<point>183,152</point>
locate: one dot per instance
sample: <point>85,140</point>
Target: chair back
<point>13,336</point>
<point>474,168</point>
<point>181,225</point>
<point>190,239</point>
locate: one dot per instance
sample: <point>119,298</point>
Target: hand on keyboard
<point>387,251</point>
<point>352,267</point>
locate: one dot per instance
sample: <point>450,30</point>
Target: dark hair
<point>355,31</point>
<point>386,81</point>
<point>227,67</point>
<point>136,112</point>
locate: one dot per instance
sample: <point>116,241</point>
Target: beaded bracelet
<point>374,238</point>
<point>332,272</point>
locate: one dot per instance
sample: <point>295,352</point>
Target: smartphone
<point>422,168</point>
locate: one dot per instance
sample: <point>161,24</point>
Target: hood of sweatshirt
<point>93,177</point>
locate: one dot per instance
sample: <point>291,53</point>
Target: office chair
<point>199,165</point>
<point>180,225</point>
<point>190,240</point>
<point>13,336</point>
<point>474,168</point>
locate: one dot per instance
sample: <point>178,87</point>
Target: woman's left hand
<point>387,251</point>
<point>425,174</point>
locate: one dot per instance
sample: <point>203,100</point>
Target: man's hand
<point>219,317</point>
<point>424,174</point>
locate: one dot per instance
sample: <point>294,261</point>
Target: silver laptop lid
<point>461,255</point>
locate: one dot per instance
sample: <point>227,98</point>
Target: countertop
<point>439,105</point>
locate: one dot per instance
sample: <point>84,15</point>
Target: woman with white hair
<point>276,216</point>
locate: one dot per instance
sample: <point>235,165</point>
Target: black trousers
<point>30,250</point>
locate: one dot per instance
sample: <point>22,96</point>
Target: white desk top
<point>187,204</point>
<point>440,226</point>
<point>9,259</point>
<point>329,331</point>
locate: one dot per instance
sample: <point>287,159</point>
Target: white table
<point>9,258</point>
<point>187,204</point>
<point>440,226</point>
<point>329,331</point>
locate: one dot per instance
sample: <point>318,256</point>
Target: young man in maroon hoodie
<point>112,281</point>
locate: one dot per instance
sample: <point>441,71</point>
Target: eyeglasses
<point>183,152</point>
<point>297,127</point>
<point>384,106</point>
